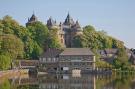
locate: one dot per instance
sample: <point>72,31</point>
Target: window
<point>49,59</point>
<point>65,68</point>
<point>54,59</point>
<point>44,60</point>
<point>55,68</point>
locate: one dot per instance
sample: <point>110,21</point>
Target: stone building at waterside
<point>49,61</point>
<point>69,60</point>
<point>76,59</point>
<point>109,55</point>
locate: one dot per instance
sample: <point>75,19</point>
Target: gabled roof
<point>51,52</point>
<point>77,51</point>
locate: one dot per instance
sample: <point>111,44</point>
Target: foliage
<point>121,62</point>
<point>12,45</point>
<point>53,39</point>
<point>5,85</point>
<point>38,32</point>
<point>96,39</point>
<point>77,43</point>
<point>103,64</point>
<point>5,61</point>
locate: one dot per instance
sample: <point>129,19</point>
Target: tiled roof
<point>77,51</point>
<point>51,52</point>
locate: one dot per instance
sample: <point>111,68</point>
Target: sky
<point>116,17</point>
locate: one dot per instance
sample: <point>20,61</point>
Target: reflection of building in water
<point>69,82</point>
<point>73,82</point>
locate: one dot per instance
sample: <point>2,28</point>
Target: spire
<point>68,16</point>
<point>33,18</point>
<point>69,20</point>
<point>33,12</point>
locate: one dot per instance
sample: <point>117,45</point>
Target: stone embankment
<point>11,73</point>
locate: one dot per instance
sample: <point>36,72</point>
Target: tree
<point>12,45</point>
<point>5,85</point>
<point>53,40</point>
<point>77,42</point>
<point>98,39</point>
<point>5,61</point>
<point>121,62</point>
<point>39,33</point>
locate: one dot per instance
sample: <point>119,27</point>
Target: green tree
<point>5,61</point>
<point>12,45</point>
<point>53,39</point>
<point>77,42</point>
<point>121,62</point>
<point>39,33</point>
<point>5,85</point>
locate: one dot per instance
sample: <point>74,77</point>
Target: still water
<point>69,82</point>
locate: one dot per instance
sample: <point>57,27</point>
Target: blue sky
<point>116,17</point>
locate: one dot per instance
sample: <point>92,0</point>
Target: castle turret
<point>77,29</point>
<point>51,23</point>
<point>33,19</point>
<point>69,20</point>
<point>77,26</point>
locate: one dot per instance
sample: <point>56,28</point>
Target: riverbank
<point>11,73</point>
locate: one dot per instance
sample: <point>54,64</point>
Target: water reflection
<point>69,82</point>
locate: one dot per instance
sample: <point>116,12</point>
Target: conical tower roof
<point>69,20</point>
<point>51,22</point>
<point>77,24</point>
<point>33,18</point>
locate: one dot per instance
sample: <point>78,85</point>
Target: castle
<point>66,30</point>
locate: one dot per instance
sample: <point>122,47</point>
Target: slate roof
<point>69,20</point>
<point>77,51</point>
<point>51,52</point>
<point>29,62</point>
<point>111,51</point>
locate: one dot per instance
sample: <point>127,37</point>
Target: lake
<point>74,81</point>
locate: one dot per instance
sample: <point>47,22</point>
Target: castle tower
<point>33,19</point>
<point>66,30</point>
<point>51,23</point>
<point>69,20</point>
<point>77,28</point>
